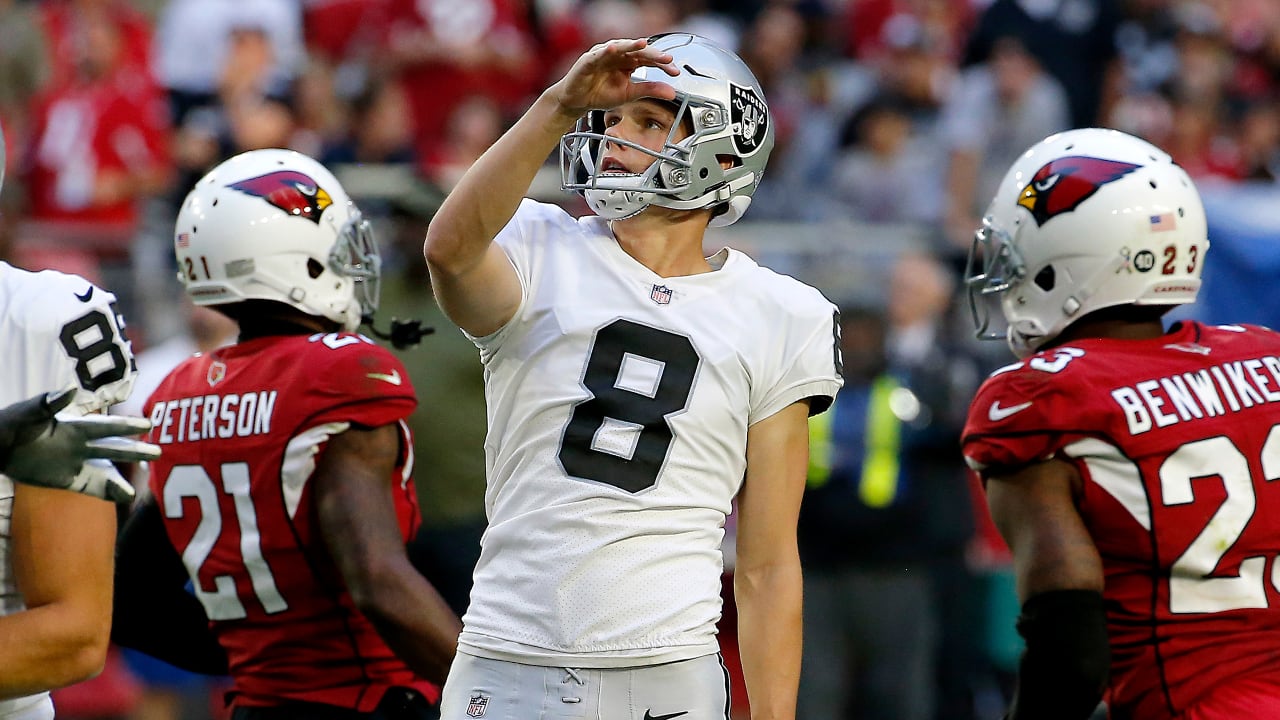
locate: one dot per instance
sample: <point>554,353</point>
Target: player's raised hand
<point>601,77</point>
<point>41,446</point>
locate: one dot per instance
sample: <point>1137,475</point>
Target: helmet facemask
<point>1002,266</point>
<point>617,196</point>
<point>355,255</point>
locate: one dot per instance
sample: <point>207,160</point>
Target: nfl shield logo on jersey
<point>217,371</point>
<point>660,294</point>
<point>477,705</point>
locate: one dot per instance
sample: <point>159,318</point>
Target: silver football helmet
<point>1084,220</point>
<point>276,225</point>
<point>723,105</point>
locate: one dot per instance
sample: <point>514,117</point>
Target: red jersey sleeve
<point>1028,411</point>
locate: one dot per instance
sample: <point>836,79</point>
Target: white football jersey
<point>618,407</point>
<point>57,331</point>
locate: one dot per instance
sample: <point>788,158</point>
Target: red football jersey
<point>117,127</point>
<point>242,429</point>
<point>1178,441</point>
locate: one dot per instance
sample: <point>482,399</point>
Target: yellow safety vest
<point>882,444</point>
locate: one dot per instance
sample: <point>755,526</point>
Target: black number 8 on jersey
<point>91,341</point>
<point>674,362</point>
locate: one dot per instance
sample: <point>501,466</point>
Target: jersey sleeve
<point>531,221</point>
<point>805,359</point>
<point>1025,413</point>
<point>74,335</point>
<point>357,381</point>
<point>522,239</point>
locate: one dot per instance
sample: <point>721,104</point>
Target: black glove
<point>40,446</point>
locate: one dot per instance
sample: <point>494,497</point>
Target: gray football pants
<point>484,689</point>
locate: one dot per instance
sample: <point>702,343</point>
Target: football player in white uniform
<point>635,387</point>
<point>58,331</point>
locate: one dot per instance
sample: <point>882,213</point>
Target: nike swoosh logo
<point>393,377</point>
<point>88,294</point>
<point>650,716</point>
<point>997,413</point>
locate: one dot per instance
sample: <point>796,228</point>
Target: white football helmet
<point>1084,220</point>
<point>276,225</point>
<point>719,98</point>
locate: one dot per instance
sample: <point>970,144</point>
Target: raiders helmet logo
<point>289,190</point>
<point>1061,185</point>
<point>749,118</point>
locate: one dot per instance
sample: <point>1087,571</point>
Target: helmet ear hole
<point>314,268</point>
<point>1046,278</point>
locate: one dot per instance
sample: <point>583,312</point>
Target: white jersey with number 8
<point>618,406</point>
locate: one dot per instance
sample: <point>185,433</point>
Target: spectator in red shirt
<point>99,136</point>
<point>63,22</point>
<point>446,50</point>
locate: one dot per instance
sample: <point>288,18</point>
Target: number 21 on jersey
<point>222,602</point>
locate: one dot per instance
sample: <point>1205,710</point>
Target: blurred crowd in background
<point>887,111</point>
<point>895,120</point>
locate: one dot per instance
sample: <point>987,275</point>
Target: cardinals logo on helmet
<point>289,190</point>
<point>1064,183</point>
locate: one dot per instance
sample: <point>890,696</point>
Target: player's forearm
<point>769,602</point>
<point>486,197</point>
<point>50,647</point>
<point>412,618</point>
<point>1066,660</point>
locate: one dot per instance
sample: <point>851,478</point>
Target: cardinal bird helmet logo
<point>1064,183</point>
<point>289,190</point>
